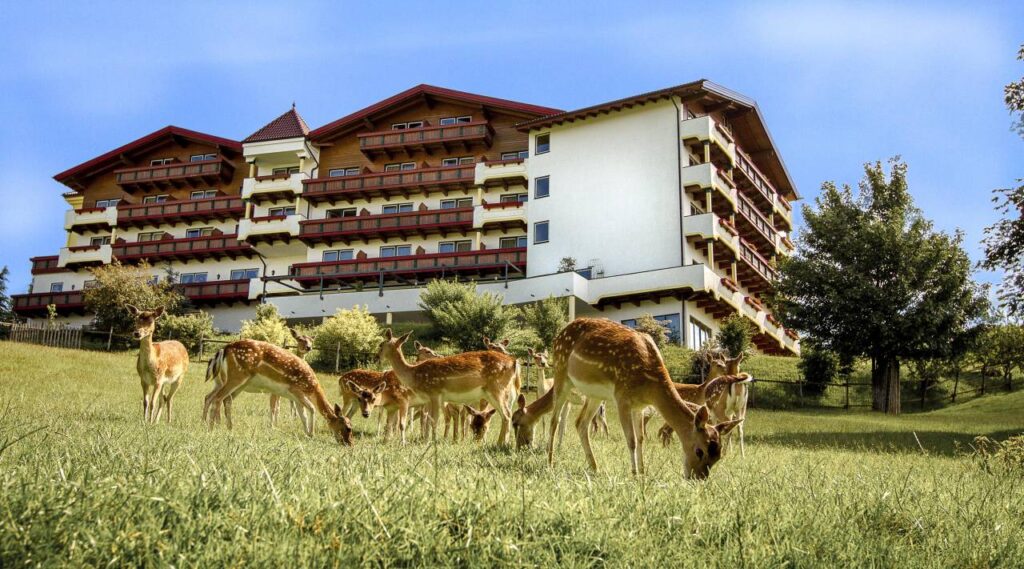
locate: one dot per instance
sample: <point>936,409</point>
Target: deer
<point>261,367</point>
<point>161,365</point>
<point>392,396</point>
<point>524,417</point>
<point>607,361</point>
<point>303,345</point>
<point>714,393</point>
<point>463,378</point>
<point>500,346</point>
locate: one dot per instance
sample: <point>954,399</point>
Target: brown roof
<point>288,125</point>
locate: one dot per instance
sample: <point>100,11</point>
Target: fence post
<point>201,338</point>
<point>110,338</point>
<point>924,392</point>
<point>982,391</point>
<point>847,406</point>
<point>337,357</point>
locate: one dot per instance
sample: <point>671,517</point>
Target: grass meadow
<point>83,482</point>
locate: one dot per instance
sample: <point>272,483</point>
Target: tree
<point>1004,241</point>
<point>350,336</point>
<point>735,337</point>
<point>547,318</point>
<point>567,265</point>
<point>658,331</point>
<point>119,285</point>
<point>818,366</point>
<point>268,326</point>
<point>874,279</point>
<point>6,309</point>
<point>463,317</point>
<point>1001,347</point>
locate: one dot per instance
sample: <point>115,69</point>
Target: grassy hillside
<point>83,482</point>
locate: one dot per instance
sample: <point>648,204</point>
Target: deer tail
<point>216,365</point>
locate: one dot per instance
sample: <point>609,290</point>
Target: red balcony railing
<point>503,205</point>
<point>492,261</point>
<point>215,246</point>
<point>478,132</point>
<point>217,291</point>
<point>760,266</point>
<point>48,264</point>
<point>36,303</point>
<point>176,175</point>
<point>421,223</point>
<point>219,208</point>
<point>755,177</point>
<point>387,184</point>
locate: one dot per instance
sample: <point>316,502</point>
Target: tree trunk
<point>885,386</point>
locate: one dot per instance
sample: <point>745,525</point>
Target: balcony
<point>48,264</point>
<point>273,187</point>
<point>699,228</point>
<point>707,129</point>
<point>754,225</point>
<point>388,184</point>
<point>495,262</point>
<point>503,173</point>
<point>203,174</point>
<point>365,227</point>
<point>269,228</point>
<point>34,304</point>
<point>216,292</point>
<point>786,247</point>
<point>213,246</point>
<point>500,215</point>
<point>72,257</point>
<point>448,138</point>
<point>784,213</point>
<point>755,272</point>
<point>204,210</point>
<point>90,219</point>
<point>708,176</point>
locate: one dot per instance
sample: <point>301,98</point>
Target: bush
<point>357,334</point>
<point>735,337</point>
<point>188,329</point>
<point>268,326</point>
<point>117,286</point>
<point>679,361</point>
<point>658,331</point>
<point>995,456</point>
<point>819,368</point>
<point>700,364</point>
<point>547,318</point>
<point>462,317</point>
<point>522,339</point>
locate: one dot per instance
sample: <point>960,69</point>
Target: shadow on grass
<point>934,442</point>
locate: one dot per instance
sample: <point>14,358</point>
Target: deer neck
<point>542,406</point>
<point>322,404</point>
<point>146,354</point>
<point>671,407</point>
<point>402,368</point>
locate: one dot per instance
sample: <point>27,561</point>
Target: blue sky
<point>839,83</point>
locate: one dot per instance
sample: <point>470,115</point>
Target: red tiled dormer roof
<point>288,125</point>
<point>423,91</point>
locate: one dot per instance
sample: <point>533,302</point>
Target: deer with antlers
<point>161,365</point>
<point>463,378</point>
<point>260,367</point>
<point>606,361</point>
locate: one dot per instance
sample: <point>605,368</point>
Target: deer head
<point>501,346</point>
<point>522,423</point>
<point>540,359</point>
<point>145,321</point>
<point>706,448</point>
<point>392,346</point>
<point>368,398</point>
<point>479,422</point>
<point>424,353</point>
<point>303,343</point>
<point>341,426</point>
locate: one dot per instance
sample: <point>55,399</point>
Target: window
<point>695,208</point>
<point>336,213</point>
<point>699,335</point>
<point>540,232</point>
<point>396,251</point>
<point>543,143</point>
<point>455,120</point>
<point>244,274</point>
<point>462,160</point>
<point>201,157</point>
<point>105,240</point>
<point>338,255</point>
<point>541,187</point>
<point>631,322</point>
<point>397,208</point>
<point>338,172</point>
<point>107,203</point>
<point>406,125</point>
<point>89,284</point>
<point>454,246</point>
<point>454,203</point>
<point>203,194</point>
<point>284,210</point>
<point>199,232</point>
<point>399,166</point>
<point>190,278</point>
<point>515,155</point>
<point>56,287</point>
<point>161,161</point>
<point>151,236</point>
<point>286,170</point>
<point>586,272</point>
<point>514,198</point>
<point>154,199</point>
<point>674,325</point>
<point>512,242</point>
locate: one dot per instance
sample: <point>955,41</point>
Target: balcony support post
<point>734,270</point>
<point>711,253</point>
<point>707,151</point>
<point>380,283</point>
<point>252,169</point>
<point>707,201</point>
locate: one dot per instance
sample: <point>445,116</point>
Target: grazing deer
<point>714,393</point>
<point>528,416</point>
<point>733,404</point>
<point>480,421</point>
<point>161,365</point>
<point>303,345</point>
<point>260,367</point>
<point>463,378</point>
<point>606,361</point>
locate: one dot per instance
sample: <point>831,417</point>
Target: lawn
<point>84,482</point>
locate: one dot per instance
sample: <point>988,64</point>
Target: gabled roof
<point>288,125</point>
<point>744,115</point>
<point>426,92</point>
<point>121,155</point>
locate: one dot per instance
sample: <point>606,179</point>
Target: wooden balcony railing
<point>758,263</point>
<point>504,162</point>
<point>436,264</point>
<point>190,248</point>
<point>217,291</point>
<point>401,224</point>
<point>368,186</point>
<point>503,205</point>
<point>219,208</point>
<point>479,132</point>
<point>757,179</point>
<point>48,264</point>
<point>756,219</point>
<point>179,174</point>
<point>36,303</point>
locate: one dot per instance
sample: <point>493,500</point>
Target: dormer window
<point>161,161</point>
<point>407,125</point>
<point>202,157</point>
<point>455,120</point>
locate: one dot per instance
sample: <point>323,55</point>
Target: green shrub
<point>462,317</point>
<point>658,331</point>
<point>353,336</point>
<point>522,339</point>
<point>736,335</point>
<point>819,367</point>
<point>679,361</point>
<point>188,329</point>
<point>268,326</point>
<point>547,318</point>
<point>117,286</point>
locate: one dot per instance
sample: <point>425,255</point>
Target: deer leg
<point>561,397</point>
<point>583,420</point>
<point>434,414</point>
<point>154,401</point>
<point>628,429</point>
<point>638,419</point>
<point>170,390</point>
<point>562,422</point>
<point>145,403</point>
<point>499,400</point>
<point>743,451</point>
<point>275,406</point>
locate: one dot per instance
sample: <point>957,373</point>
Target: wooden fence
<point>58,336</point>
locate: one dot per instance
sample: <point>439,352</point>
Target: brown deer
<point>607,361</point>
<point>351,386</point>
<point>479,422</point>
<point>260,367</point>
<point>500,346</point>
<point>161,365</point>
<point>463,378</point>
<point>303,345</point>
<point>714,393</point>
<point>393,397</point>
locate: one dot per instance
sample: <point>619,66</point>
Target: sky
<point>840,84</point>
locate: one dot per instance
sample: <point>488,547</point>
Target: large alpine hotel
<point>673,203</point>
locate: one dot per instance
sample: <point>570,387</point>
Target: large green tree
<point>6,309</point>
<point>873,279</point>
<point>1004,241</point>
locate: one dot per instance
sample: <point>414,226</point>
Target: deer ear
<point>489,414</point>
<point>380,387</point>
<point>294,333</point>
<point>530,352</point>
<point>337,410</point>
<point>404,337</point>
<point>700,420</point>
<point>418,345</point>
<point>351,385</point>
<point>471,410</point>
<point>505,342</point>
<point>131,308</point>
<point>486,340</point>
<point>158,312</point>
<point>724,428</point>
<point>521,401</point>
